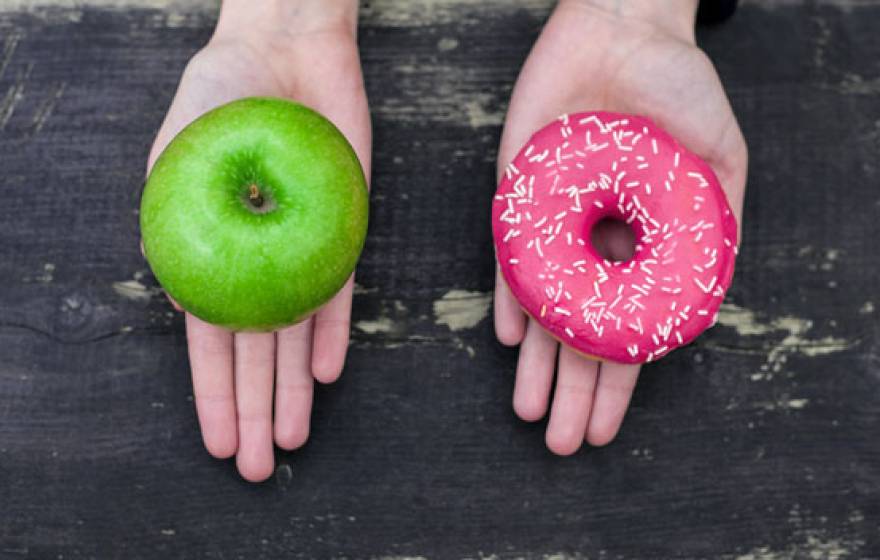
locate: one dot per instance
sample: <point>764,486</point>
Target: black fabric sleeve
<point>715,11</point>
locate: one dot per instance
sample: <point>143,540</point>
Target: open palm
<point>235,375</point>
<point>589,59</point>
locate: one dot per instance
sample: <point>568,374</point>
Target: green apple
<point>255,214</point>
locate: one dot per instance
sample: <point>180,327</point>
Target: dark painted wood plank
<point>760,439</point>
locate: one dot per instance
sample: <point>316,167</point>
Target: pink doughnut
<point>588,166</point>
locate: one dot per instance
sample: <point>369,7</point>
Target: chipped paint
<point>45,277</point>
<point>746,323</point>
<point>443,103</point>
<point>133,290</point>
<point>797,403</point>
<point>421,13</point>
<point>853,84</point>
<point>359,289</point>
<point>375,326</point>
<point>479,116</point>
<point>461,309</point>
<point>742,320</point>
<point>447,44</point>
<point>783,404</point>
<point>814,545</point>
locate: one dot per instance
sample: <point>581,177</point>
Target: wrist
<point>674,17</point>
<point>273,20</point>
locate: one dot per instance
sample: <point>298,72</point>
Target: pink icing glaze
<point>588,166</point>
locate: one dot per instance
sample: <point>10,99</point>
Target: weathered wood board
<point>758,441</point>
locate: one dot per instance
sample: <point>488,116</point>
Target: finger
<point>210,358</point>
<point>575,386</point>
<point>332,326</point>
<point>293,385</point>
<point>510,321</point>
<point>613,392</point>
<point>254,376</point>
<point>534,373</point>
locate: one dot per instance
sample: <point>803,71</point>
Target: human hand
<point>304,50</point>
<point>637,57</point>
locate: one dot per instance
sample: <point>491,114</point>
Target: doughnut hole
<point>613,239</point>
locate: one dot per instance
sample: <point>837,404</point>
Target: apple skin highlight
<point>247,266</point>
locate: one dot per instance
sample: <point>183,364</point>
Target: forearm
<point>286,17</point>
<point>676,17</point>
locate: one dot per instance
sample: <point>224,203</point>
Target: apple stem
<point>254,196</point>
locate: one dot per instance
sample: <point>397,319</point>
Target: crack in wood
<point>13,96</point>
<point>44,111</point>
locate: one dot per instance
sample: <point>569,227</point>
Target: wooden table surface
<point>758,441</point>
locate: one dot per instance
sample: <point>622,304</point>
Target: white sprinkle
<point>678,337</point>
<point>654,146</point>
<point>675,163</point>
<point>569,332</point>
<point>639,289</point>
<point>594,119</point>
<point>513,261</point>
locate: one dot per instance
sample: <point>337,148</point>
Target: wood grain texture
<point>758,441</point>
